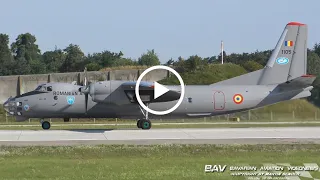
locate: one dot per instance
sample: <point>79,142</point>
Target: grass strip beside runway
<point>145,162</point>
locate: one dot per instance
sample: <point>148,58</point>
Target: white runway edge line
<point>161,134</point>
<point>186,123</point>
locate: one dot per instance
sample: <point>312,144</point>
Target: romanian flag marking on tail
<point>288,43</point>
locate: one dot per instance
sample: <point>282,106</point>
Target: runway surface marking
<point>154,136</point>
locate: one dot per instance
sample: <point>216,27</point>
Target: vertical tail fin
<point>287,61</point>
<point>289,58</point>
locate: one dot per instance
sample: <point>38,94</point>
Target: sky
<point>172,28</point>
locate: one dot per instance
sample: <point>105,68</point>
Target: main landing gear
<point>45,124</point>
<point>144,123</point>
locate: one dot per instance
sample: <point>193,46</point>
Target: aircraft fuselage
<point>199,101</point>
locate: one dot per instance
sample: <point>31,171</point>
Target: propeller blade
<point>85,77</point>
<point>86,99</point>
<point>86,85</point>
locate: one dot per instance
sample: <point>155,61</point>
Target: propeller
<point>85,89</point>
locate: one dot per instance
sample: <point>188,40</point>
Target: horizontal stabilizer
<point>299,82</point>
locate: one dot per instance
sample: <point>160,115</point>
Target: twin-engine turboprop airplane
<point>283,78</point>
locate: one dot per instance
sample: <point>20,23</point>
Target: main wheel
<point>46,125</point>
<point>145,124</point>
<point>139,123</point>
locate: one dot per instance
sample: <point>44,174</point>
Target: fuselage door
<point>218,100</point>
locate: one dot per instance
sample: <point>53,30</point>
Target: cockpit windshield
<point>38,88</point>
<point>43,88</point>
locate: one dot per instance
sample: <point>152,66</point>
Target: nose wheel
<point>45,124</point>
<point>144,123</point>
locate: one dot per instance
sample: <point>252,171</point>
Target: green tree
<point>5,55</point>
<point>74,60</point>
<point>54,60</point>
<point>252,66</point>
<point>193,63</point>
<point>313,66</point>
<point>169,62</point>
<point>27,55</point>
<point>125,62</point>
<point>180,65</point>
<point>108,59</point>
<point>211,59</point>
<point>316,48</point>
<point>149,59</point>
<point>93,66</point>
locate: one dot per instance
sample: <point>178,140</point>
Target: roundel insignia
<point>26,107</point>
<point>282,60</point>
<point>237,98</point>
<point>70,100</point>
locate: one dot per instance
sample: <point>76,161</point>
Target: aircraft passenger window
<point>49,88</point>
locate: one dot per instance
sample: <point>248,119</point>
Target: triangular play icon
<point>159,90</point>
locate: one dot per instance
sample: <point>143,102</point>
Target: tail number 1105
<point>286,51</point>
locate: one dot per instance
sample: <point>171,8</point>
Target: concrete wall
<point>13,85</point>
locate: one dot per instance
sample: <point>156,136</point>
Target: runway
<point>288,135</point>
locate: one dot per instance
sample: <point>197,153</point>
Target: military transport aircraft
<point>283,78</point>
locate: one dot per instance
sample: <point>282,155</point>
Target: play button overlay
<point>160,90</point>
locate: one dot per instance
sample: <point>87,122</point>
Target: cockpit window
<point>38,88</point>
<point>49,88</point>
<point>42,88</point>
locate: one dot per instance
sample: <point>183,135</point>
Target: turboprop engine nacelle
<point>100,91</point>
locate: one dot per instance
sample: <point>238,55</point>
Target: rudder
<point>287,61</point>
<point>289,58</point>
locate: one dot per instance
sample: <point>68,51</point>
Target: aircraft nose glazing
<point>9,106</point>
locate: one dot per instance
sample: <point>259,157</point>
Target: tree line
<point>23,56</point>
